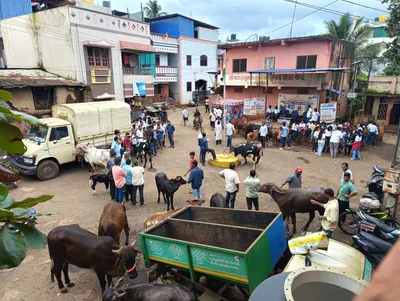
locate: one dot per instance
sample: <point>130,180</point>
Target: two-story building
<point>298,69</point>
<point>197,55</point>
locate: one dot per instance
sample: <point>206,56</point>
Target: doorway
<point>395,114</point>
<point>201,85</point>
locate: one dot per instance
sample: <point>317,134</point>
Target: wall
<point>385,85</point>
<point>196,48</point>
<point>207,34</point>
<point>14,8</point>
<point>23,99</point>
<point>70,95</point>
<point>163,59</point>
<point>175,27</point>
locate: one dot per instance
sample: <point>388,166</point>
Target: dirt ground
<point>76,204</point>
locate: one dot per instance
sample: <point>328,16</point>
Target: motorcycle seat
<point>379,243</point>
<point>379,224</point>
<point>370,195</point>
<point>379,169</point>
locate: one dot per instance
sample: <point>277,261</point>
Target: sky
<point>262,17</point>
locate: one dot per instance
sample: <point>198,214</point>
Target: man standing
<point>192,159</point>
<point>128,179</point>
<point>218,113</point>
<point>207,105</point>
<point>253,183</point>
<point>295,179</point>
<point>185,116</point>
<point>204,149</point>
<point>116,146</point>
<point>137,182</point>
<point>309,113</point>
<point>139,134</point>
<point>196,179</point>
<point>345,168</point>
<point>315,115</point>
<point>110,164</point>
<point>284,135</point>
<point>347,190</point>
<point>331,215</point>
<point>231,184</point>
<point>170,130</point>
<point>230,129</point>
<point>263,131</point>
<point>372,132</point>
<point>119,179</point>
<point>212,120</point>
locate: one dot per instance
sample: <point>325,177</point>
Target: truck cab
<point>47,147</point>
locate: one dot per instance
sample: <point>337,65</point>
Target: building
<point>197,56</point>
<point>298,69</point>
<point>84,43</point>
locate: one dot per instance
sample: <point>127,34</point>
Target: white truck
<point>50,146</point>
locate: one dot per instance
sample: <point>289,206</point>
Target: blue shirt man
<point>196,179</point>
<point>116,146</point>
<point>128,169</point>
<point>170,131</point>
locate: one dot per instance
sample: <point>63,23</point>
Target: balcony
<point>162,70</point>
<point>164,39</point>
<point>166,74</point>
<point>136,71</point>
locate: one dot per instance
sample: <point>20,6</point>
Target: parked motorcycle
<point>371,246</point>
<point>7,176</point>
<point>378,228</point>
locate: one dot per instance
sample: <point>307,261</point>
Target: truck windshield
<point>37,133</point>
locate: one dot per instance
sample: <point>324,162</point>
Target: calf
<point>113,220</point>
<point>148,292</point>
<point>168,188</point>
<point>158,217</point>
<point>218,200</point>
<point>100,178</point>
<point>252,136</point>
<point>93,155</point>
<point>251,127</point>
<point>141,150</point>
<point>74,245</point>
<point>248,149</point>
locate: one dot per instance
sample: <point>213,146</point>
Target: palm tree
<point>153,9</point>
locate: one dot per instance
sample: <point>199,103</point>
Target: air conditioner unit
<point>233,36</point>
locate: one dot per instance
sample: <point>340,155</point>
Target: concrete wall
<point>163,59</point>
<point>207,34</point>
<point>23,99</point>
<point>385,85</point>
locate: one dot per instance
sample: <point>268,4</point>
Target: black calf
<point>99,178</point>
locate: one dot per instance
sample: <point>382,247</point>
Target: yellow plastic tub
<point>224,160</point>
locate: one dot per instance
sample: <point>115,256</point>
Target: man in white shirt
<point>231,184</point>
<point>315,115</point>
<point>185,116</point>
<point>218,113</point>
<point>295,132</point>
<point>230,129</point>
<point>137,182</point>
<point>345,168</point>
<point>309,112</point>
<point>263,131</point>
<point>207,103</point>
<point>372,132</point>
<point>334,142</point>
<point>139,134</point>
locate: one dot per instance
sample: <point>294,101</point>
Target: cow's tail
<point>51,267</point>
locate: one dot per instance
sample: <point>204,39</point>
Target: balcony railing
<point>136,71</point>
<point>164,39</point>
<point>161,70</point>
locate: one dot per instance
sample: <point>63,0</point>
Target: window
<point>58,133</point>
<point>157,60</point>
<point>382,109</point>
<point>97,57</point>
<point>240,65</point>
<point>238,90</point>
<point>303,91</point>
<point>43,97</point>
<point>196,34</point>
<point>189,60</point>
<point>306,62</point>
<point>203,60</point>
<point>268,90</point>
<point>269,63</point>
<point>189,86</point>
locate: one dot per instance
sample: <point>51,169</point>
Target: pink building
<point>314,67</point>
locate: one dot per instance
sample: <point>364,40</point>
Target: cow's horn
<point>118,282</point>
<point>116,252</point>
<point>134,243</point>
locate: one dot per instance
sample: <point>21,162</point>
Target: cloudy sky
<point>262,17</point>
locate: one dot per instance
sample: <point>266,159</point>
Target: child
<point>192,159</point>
<point>356,148</point>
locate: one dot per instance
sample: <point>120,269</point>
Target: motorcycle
<point>371,246</point>
<point>7,175</point>
<point>378,228</point>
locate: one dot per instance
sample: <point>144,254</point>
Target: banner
<point>260,105</point>
<point>328,112</point>
<point>298,102</point>
<point>249,107</point>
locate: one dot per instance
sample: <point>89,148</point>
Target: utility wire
<point>365,6</point>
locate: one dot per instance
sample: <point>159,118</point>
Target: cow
<point>113,220</point>
<point>168,188</point>
<point>148,292</point>
<point>92,155</point>
<point>248,149</point>
<point>218,200</point>
<point>74,245</point>
<point>99,178</point>
<point>252,136</point>
<point>140,150</point>
<point>239,124</point>
<point>158,218</point>
<point>251,127</point>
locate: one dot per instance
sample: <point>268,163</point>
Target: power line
<point>365,6</point>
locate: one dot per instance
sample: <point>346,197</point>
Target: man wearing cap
<point>347,190</point>
<point>294,180</point>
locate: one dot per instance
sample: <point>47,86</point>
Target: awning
<point>230,102</point>
<point>136,46</point>
<point>104,96</point>
<point>309,70</point>
<point>335,91</point>
<point>101,44</point>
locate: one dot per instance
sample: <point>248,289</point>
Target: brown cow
<point>113,220</point>
<point>252,136</point>
<point>239,124</point>
<point>158,217</point>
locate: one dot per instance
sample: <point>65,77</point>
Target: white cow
<point>93,155</point>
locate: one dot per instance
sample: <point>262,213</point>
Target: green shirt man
<point>346,191</point>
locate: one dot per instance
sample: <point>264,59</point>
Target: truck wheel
<point>47,170</point>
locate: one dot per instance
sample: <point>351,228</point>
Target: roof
<point>279,41</point>
<point>54,121</point>
<point>310,70</point>
<point>19,78</point>
<point>196,23</point>
<point>136,46</point>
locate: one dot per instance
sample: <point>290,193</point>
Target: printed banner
<point>249,107</point>
<point>298,102</point>
<point>328,112</point>
<point>260,105</point>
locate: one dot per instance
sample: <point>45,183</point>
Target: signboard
<point>260,105</point>
<point>298,102</point>
<point>328,112</point>
<point>351,95</point>
<point>166,250</point>
<point>249,107</point>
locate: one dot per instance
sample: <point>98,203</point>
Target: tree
<point>392,52</point>
<point>17,219</point>
<point>153,9</point>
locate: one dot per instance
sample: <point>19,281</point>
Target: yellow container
<point>224,160</point>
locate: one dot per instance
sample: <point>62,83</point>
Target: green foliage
<point>392,71</point>
<point>393,29</point>
<point>153,9</point>
<point>17,230</point>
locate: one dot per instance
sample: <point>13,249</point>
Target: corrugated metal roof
<point>14,8</point>
<point>136,46</point>
<point>310,70</point>
<point>196,22</point>
<point>19,78</point>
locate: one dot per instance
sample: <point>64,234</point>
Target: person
<point>117,133</point>
<point>302,130</point>
<point>231,184</point>
<point>269,112</point>
<point>196,179</point>
<point>309,113</point>
<point>218,132</point>
<point>204,149</point>
<point>110,164</point>
<point>119,178</point>
<point>372,132</point>
<point>314,139</point>
<point>346,191</point>
<point>128,179</point>
<point>116,146</point>
<point>315,115</point>
<point>207,103</point>
<point>151,141</point>
<point>252,184</point>
<point>199,137</point>
<point>268,122</point>
<point>139,134</point>
<point>197,113</point>
<point>263,131</point>
<point>334,142</point>
<point>160,136</point>
<point>356,147</point>
<point>295,135</point>
<point>345,168</point>
<point>289,137</point>
<point>275,115</point>
<point>284,135</point>
<point>126,157</point>
<point>331,215</point>
<point>127,142</point>
<point>137,182</point>
<point>294,180</point>
<point>192,159</point>
<point>218,113</point>
<point>185,116</point>
<point>212,120</point>
<point>347,141</point>
<point>321,141</point>
<point>170,130</point>
<point>230,129</point>
<point>328,135</point>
